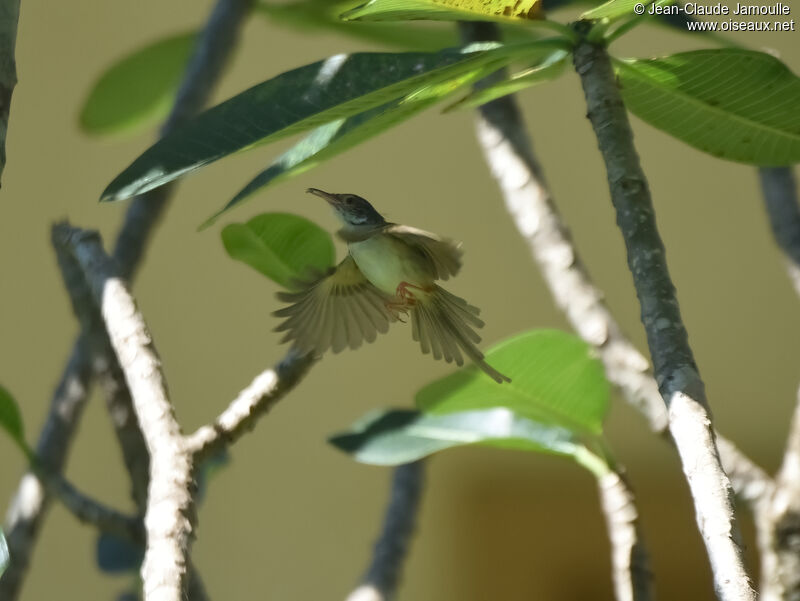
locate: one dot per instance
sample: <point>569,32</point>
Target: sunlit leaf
<point>550,68</point>
<point>446,10</point>
<point>401,436</point>
<point>338,136</point>
<point>284,247</point>
<point>734,104</point>
<point>323,15</point>
<point>11,419</point>
<point>554,380</point>
<point>139,89</point>
<point>298,100</point>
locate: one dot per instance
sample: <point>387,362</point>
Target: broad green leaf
<point>5,557</point>
<point>400,436</point>
<point>286,248</point>
<point>323,15</point>
<point>554,380</point>
<point>338,136</point>
<point>446,10</point>
<point>613,9</point>
<point>550,68</point>
<point>298,100</point>
<point>734,104</point>
<point>11,420</point>
<point>138,89</point>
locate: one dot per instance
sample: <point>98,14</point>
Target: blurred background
<point>291,518</point>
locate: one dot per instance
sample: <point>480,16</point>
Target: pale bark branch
<point>630,565</point>
<point>675,370</point>
<point>28,506</point>
<point>170,507</point>
<point>242,414</point>
<point>383,574</point>
<point>9,17</point>
<point>778,518</point>
<point>501,132</point>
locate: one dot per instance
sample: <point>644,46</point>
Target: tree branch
<point>9,17</point>
<point>779,190</point>
<point>676,372</point>
<point>633,580</point>
<point>170,507</point>
<point>501,132</point>
<point>28,507</point>
<point>258,398</point>
<point>380,581</point>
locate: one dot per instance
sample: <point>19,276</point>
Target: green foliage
<point>734,104</point>
<point>5,557</point>
<point>550,68</point>
<point>556,403</point>
<point>11,420</point>
<point>445,10</point>
<point>286,248</point>
<point>324,15</point>
<point>554,380</point>
<point>401,436</point>
<point>138,89</point>
<point>298,100</point>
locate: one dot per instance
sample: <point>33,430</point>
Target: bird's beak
<point>332,199</point>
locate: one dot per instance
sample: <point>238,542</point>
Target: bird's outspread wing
<point>339,310</point>
<point>442,254</point>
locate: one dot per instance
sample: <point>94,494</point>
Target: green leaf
<point>298,100</point>
<point>286,248</point>
<point>550,68</point>
<point>11,420</point>
<point>734,104</point>
<point>338,136</point>
<point>400,436</point>
<point>5,557</point>
<point>446,10</point>
<point>139,89</point>
<point>323,15</point>
<point>554,380</point>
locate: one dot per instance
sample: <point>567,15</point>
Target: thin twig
<point>91,511</point>
<point>28,506</point>
<point>258,398</point>
<point>633,580</point>
<point>509,154</point>
<point>391,548</point>
<point>170,507</point>
<point>676,372</point>
<point>9,17</point>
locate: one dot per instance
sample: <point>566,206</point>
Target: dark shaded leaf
<point>116,555</point>
<point>11,420</point>
<point>298,100</point>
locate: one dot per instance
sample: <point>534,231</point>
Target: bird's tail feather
<point>443,324</point>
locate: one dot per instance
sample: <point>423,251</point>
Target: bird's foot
<point>406,295</point>
<point>398,310</point>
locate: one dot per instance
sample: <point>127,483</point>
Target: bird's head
<point>351,209</point>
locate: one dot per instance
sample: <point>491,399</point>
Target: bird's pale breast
<point>386,262</point>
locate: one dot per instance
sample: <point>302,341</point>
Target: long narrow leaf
<point>338,136</point>
<point>734,104</point>
<point>299,100</point>
<point>548,69</point>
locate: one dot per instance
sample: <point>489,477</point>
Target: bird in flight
<point>390,272</point>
